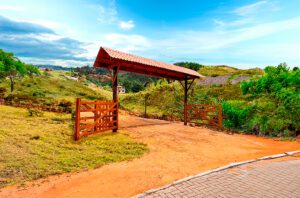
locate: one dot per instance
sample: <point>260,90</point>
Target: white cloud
<point>127,42</point>
<point>254,13</point>
<point>47,23</point>
<point>64,63</point>
<point>42,22</point>
<point>108,13</point>
<point>46,37</point>
<point>234,23</point>
<point>202,41</point>
<point>249,9</point>
<point>126,25</point>
<point>10,8</point>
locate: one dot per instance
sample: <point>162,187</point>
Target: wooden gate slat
<point>205,112</point>
<point>102,120</point>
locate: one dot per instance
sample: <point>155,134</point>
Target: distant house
<point>240,79</point>
<point>121,89</point>
<point>209,81</point>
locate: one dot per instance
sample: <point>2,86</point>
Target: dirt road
<point>176,151</point>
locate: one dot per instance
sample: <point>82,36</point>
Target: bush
<point>2,92</point>
<point>282,86</point>
<point>34,112</point>
<point>65,105</point>
<point>38,94</point>
<point>236,115</point>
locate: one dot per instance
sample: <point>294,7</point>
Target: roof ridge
<point>148,61</point>
<point>107,48</point>
<point>137,56</point>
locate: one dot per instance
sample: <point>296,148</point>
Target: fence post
<point>95,116</point>
<point>220,116</point>
<point>77,119</point>
<point>185,101</point>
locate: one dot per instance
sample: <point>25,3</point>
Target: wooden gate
<point>94,117</point>
<point>205,114</point>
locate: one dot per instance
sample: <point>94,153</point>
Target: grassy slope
<point>225,70</point>
<point>35,147</point>
<point>53,88</point>
<point>166,100</point>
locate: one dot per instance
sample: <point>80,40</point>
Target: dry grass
<point>35,147</point>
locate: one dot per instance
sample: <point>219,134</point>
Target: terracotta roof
<point>157,68</point>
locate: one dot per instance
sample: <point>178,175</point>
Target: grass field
<point>35,147</point>
<point>52,88</point>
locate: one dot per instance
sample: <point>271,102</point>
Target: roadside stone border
<point>232,165</point>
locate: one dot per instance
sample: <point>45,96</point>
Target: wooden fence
<point>94,117</point>
<point>205,114</point>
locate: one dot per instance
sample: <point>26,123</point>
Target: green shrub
<point>236,115</point>
<point>38,94</point>
<point>34,112</point>
<point>66,106</point>
<point>288,133</point>
<point>2,92</point>
<point>282,86</point>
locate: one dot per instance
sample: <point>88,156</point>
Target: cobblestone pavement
<point>270,178</point>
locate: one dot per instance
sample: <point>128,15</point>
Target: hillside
<point>99,76</point>
<point>222,70</point>
<point>261,106</point>
<point>52,90</point>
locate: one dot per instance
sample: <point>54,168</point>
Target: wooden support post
<point>115,97</point>
<point>77,119</point>
<point>185,100</point>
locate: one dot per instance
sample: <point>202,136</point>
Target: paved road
<point>270,178</point>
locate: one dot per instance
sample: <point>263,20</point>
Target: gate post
<point>220,117</point>
<point>77,117</point>
<point>115,98</point>
<point>185,100</point>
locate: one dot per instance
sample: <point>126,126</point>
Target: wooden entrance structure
<point>115,61</point>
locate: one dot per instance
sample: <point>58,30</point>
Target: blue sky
<point>248,33</point>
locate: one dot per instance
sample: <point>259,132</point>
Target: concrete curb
<point>232,165</point>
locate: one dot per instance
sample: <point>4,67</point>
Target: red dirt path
<point>176,151</point>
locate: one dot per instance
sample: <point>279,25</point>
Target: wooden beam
<point>191,84</point>
<point>181,84</point>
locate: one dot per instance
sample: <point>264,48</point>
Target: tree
<point>189,65</point>
<point>11,67</point>
<point>32,70</point>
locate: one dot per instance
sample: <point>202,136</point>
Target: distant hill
<point>99,76</point>
<point>223,70</point>
<point>55,67</point>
